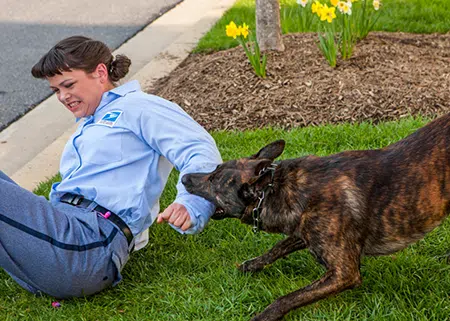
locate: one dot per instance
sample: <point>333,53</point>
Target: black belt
<point>80,201</point>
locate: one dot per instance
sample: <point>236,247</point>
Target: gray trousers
<point>60,250</point>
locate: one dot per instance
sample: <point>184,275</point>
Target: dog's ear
<point>259,166</point>
<point>271,151</point>
<point>249,191</point>
<point>260,181</point>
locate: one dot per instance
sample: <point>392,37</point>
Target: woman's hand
<point>177,215</point>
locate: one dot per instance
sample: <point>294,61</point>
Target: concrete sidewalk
<point>30,148</point>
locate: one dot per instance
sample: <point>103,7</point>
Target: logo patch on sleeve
<point>110,118</point>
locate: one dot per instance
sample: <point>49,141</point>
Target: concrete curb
<point>189,21</point>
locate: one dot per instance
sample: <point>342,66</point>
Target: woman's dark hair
<point>83,53</point>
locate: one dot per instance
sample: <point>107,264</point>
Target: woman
<point>113,169</point>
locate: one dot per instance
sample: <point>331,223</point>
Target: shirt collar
<point>117,92</point>
<point>126,88</point>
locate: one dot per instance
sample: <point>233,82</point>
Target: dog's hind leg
<point>281,249</point>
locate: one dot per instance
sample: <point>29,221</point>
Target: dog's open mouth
<point>218,214</point>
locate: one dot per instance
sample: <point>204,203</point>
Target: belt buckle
<point>76,199</point>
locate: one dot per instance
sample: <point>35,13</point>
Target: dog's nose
<point>185,179</point>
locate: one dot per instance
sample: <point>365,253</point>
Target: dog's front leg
<point>281,249</point>
<point>328,285</point>
<point>340,276</point>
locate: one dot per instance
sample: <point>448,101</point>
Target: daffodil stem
<point>254,56</point>
<point>327,44</point>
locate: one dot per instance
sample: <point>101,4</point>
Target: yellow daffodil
<point>252,51</point>
<point>323,12</point>
<point>316,8</point>
<point>243,30</point>
<point>303,3</point>
<point>232,30</point>
<point>376,4</point>
<point>334,2</point>
<point>328,14</point>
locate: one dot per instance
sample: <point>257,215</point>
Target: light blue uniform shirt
<point>121,158</point>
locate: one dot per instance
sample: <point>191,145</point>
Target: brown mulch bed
<point>390,75</point>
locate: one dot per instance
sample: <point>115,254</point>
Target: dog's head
<point>234,184</point>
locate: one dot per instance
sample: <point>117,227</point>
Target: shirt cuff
<point>200,211</point>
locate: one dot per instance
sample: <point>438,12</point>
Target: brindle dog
<point>340,207</point>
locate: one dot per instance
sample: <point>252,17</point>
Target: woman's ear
<point>101,71</point>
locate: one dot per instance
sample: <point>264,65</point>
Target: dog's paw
<point>257,318</point>
<point>252,265</point>
<point>266,317</point>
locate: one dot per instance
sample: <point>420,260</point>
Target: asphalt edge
<point>46,164</point>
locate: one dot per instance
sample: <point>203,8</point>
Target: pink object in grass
<point>56,304</point>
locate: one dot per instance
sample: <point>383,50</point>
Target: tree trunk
<point>268,25</point>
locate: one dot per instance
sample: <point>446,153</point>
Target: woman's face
<point>81,92</point>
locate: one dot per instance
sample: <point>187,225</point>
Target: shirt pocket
<point>100,144</point>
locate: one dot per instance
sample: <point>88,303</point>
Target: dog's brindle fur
<point>340,207</point>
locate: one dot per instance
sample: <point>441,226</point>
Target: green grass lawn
<point>414,16</point>
<point>183,278</point>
